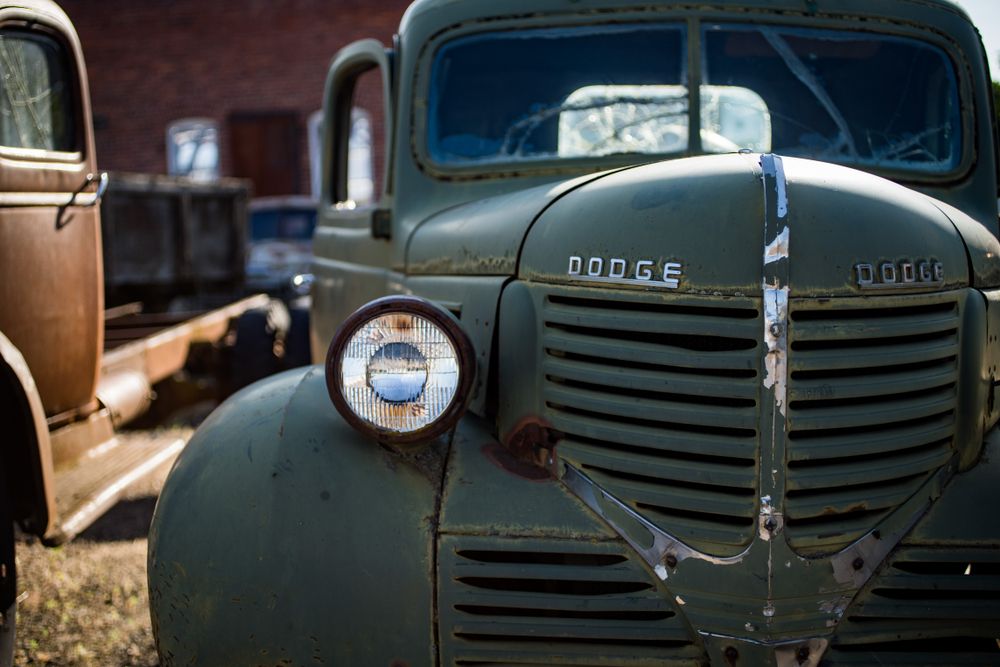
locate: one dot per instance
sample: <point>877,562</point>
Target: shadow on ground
<point>128,520</point>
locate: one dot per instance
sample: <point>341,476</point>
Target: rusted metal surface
<point>59,335</point>
<point>95,482</point>
<point>764,443</point>
<point>22,396</point>
<point>53,299</point>
<point>74,440</point>
<point>167,237</point>
<point>160,355</point>
<point>481,497</point>
<point>29,172</point>
<point>532,448</point>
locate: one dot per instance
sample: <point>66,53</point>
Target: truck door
<point>352,248</point>
<point>51,284</point>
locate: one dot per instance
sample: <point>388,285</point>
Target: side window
<point>36,93</point>
<point>314,132</point>
<point>361,159</point>
<point>360,181</point>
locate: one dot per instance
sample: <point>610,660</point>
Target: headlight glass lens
<point>399,372</point>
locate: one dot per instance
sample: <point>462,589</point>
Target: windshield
<point>851,97</point>
<point>500,97</point>
<point>859,98</point>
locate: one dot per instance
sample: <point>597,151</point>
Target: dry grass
<point>86,603</point>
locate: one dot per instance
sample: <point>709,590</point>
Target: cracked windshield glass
<point>35,104</point>
<point>858,98</point>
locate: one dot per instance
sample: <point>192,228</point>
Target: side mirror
<point>341,184</point>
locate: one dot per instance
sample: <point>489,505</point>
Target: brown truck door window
<point>36,102</point>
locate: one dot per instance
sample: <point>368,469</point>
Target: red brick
<point>152,62</point>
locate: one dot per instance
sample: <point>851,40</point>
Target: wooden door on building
<point>265,147</point>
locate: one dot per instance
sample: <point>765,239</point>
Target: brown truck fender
<point>27,453</point>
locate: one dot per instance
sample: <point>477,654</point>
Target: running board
<point>98,479</point>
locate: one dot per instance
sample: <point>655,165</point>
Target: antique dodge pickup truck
<point>673,339</point>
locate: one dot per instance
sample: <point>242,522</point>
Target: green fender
<point>966,514</point>
<point>282,536</point>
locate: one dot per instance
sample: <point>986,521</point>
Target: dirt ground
<point>85,603</point>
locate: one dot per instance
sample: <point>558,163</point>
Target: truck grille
<point>872,397</point>
<point>657,401</point>
<point>928,607</point>
<point>555,602</point>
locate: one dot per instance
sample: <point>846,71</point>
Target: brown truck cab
<point>71,372</point>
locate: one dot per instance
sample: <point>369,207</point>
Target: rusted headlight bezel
<point>409,305</point>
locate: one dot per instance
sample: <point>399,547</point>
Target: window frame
<point>966,126</point>
<point>70,59</point>
<point>693,24</point>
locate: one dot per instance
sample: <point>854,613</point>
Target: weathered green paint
<point>765,465</point>
<point>256,576</point>
<point>489,493</point>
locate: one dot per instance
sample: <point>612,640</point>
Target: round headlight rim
<point>430,311</point>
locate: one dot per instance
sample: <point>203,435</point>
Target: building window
<point>193,149</point>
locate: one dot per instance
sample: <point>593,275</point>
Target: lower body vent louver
<point>555,602</point>
<point>929,607</point>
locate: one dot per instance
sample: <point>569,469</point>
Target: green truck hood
<point>706,215</point>
<point>482,237</point>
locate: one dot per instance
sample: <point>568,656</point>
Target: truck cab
<point>72,372</point>
<point>671,338</point>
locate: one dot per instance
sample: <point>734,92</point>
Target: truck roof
<point>463,9</point>
<point>41,6</point>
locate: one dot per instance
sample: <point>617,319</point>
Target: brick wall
<point>152,62</point>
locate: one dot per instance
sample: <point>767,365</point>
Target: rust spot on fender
<point>529,451</point>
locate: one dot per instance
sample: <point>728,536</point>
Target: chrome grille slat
<point>888,494</point>
<point>646,353</point>
<point>658,410</point>
<point>701,530</point>
<point>872,387</point>
<point>883,412</point>
<point>873,357</point>
<point>649,380</point>
<point>660,438</point>
<point>828,474</point>
<point>902,436</point>
<point>677,498</point>
<point>657,399</point>
<point>603,315</point>
<point>872,390</point>
<point>895,327</point>
<point>663,467</point>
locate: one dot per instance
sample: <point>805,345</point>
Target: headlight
<point>400,369</point>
